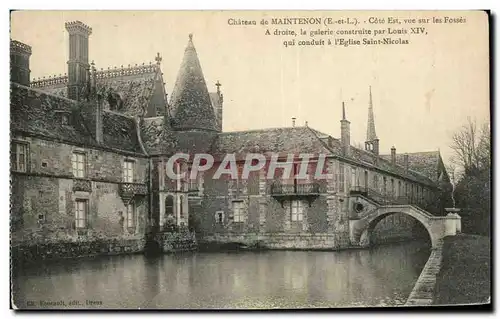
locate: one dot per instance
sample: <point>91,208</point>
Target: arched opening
<point>169,205</point>
<point>414,225</point>
<point>397,227</point>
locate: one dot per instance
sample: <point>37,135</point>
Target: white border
<point>193,5</point>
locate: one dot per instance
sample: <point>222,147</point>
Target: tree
<point>472,148</point>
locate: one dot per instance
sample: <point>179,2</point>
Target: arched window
<point>169,205</point>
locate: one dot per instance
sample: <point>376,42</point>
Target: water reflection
<point>275,279</point>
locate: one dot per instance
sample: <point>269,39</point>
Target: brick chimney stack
<point>78,63</point>
<point>393,155</point>
<point>20,62</point>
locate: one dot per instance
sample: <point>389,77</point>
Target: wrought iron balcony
<point>282,192</point>
<point>295,189</point>
<point>388,198</point>
<point>82,185</point>
<point>129,190</point>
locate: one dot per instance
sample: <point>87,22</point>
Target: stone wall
<point>43,198</point>
<point>42,211</point>
<point>281,240</point>
<point>33,253</point>
<point>424,289</point>
<point>172,242</point>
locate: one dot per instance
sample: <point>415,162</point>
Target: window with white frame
<point>81,213</point>
<point>78,163</point>
<point>128,171</point>
<point>130,216</point>
<point>296,210</point>
<point>19,156</point>
<point>238,211</point>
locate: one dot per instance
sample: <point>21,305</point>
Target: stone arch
<point>365,226</point>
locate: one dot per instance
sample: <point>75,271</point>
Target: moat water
<point>381,276</point>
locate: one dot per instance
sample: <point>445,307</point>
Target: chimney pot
<point>293,121</point>
<point>393,155</point>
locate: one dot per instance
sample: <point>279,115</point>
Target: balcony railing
<point>295,189</point>
<point>282,192</point>
<point>390,198</point>
<point>128,190</point>
<point>82,185</point>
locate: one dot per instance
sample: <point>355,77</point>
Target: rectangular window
<point>78,162</point>
<point>128,171</point>
<point>19,156</point>
<point>130,218</point>
<point>238,212</point>
<point>375,181</point>
<point>341,177</point>
<point>353,177</point>
<point>297,210</point>
<point>81,213</point>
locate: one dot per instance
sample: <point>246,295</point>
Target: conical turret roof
<point>190,103</point>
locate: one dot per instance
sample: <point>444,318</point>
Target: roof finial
<point>218,85</point>
<point>158,58</point>
<point>343,111</point>
<point>190,37</point>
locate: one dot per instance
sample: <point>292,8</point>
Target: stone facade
<point>101,153</point>
<point>43,197</point>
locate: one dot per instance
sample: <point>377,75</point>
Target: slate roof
<point>37,113</point>
<point>426,163</point>
<point>190,103</point>
<point>134,84</point>
<point>157,136</point>
<point>370,159</point>
<point>285,140</point>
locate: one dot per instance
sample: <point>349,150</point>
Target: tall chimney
<point>345,133</point>
<point>20,62</point>
<point>98,119</point>
<point>293,121</point>
<point>219,107</point>
<point>376,146</point>
<point>393,155</point>
<point>99,105</point>
<point>406,161</point>
<point>78,63</point>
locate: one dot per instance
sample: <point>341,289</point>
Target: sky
<point>422,92</point>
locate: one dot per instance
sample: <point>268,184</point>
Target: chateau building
<point>89,151</point>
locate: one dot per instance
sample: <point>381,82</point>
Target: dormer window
<point>63,117</point>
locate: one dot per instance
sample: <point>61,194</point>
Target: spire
<point>343,111</point>
<point>371,135</point>
<point>191,107</point>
